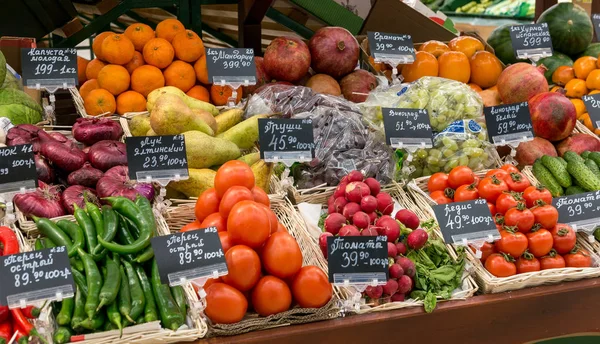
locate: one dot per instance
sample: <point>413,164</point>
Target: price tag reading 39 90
<point>391,47</point>
<point>357,260</point>
<point>578,210</point>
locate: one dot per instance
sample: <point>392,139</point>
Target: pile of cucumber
<point>572,174</point>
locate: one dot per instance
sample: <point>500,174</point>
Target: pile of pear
<point>211,138</point>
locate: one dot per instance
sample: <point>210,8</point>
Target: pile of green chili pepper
<point>116,277</point>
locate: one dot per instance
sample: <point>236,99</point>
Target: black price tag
<point>231,66</point>
<point>596,22</point>
<point>508,123</point>
<point>592,105</point>
<point>407,128</point>
<point>189,255</point>
<point>391,47</point>
<point>17,169</point>
<point>531,40</point>
<point>357,259</point>
<point>578,210</point>
<point>157,157</point>
<point>286,139</point>
<point>464,222</point>
<point>49,67</point>
<point>36,276</point>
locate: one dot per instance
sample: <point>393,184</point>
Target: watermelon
<point>570,27</point>
<point>592,50</point>
<point>499,39</point>
<point>552,62</point>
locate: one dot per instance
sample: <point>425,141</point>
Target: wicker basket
<point>320,194</point>
<point>581,128</point>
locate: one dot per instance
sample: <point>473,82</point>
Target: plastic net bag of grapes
<point>463,142</point>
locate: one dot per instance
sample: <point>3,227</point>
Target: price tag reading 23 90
<point>465,221</point>
<point>286,139</point>
<point>157,157</point>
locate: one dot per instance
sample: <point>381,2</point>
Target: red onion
<point>23,134</point>
<point>67,158</point>
<point>91,130</point>
<point>85,176</point>
<point>43,202</point>
<point>58,136</point>
<point>44,172</point>
<point>77,194</point>
<point>106,154</point>
<point>115,182</point>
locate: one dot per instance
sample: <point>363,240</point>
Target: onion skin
<point>65,158</point>
<point>115,182</point>
<point>44,172</point>
<point>107,154</point>
<point>45,201</point>
<point>77,194</point>
<point>85,176</point>
<point>23,134</point>
<point>91,130</point>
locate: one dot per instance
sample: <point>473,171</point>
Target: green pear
<point>228,119</point>
<point>262,174</point>
<point>139,124</point>
<point>250,159</point>
<point>191,102</point>
<point>199,181</point>
<point>170,116</point>
<point>150,132</point>
<point>204,151</point>
<point>206,117</point>
<point>244,134</point>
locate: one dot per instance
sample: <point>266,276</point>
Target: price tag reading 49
<point>510,123</point>
<point>464,222</point>
<point>357,260</point>
<point>531,41</point>
<point>592,106</point>
<point>36,276</point>
<point>286,139</point>
<point>407,128</point>
<point>578,210</point>
<point>157,157</point>
<point>17,168</point>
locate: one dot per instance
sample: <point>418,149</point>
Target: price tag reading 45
<point>578,210</point>
<point>231,66</point>
<point>592,105</point>
<point>531,41</point>
<point>157,157</point>
<point>36,276</point>
<point>407,128</point>
<point>17,168</point>
<point>464,222</point>
<point>189,255</point>
<point>357,260</point>
<point>391,47</point>
<point>286,139</point>
<point>49,67</point>
<point>509,123</point>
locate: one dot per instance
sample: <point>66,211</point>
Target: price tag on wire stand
<point>31,277</point>
<point>286,140</point>
<point>233,67</point>
<point>185,256</point>
<point>160,158</point>
<point>391,48</point>
<point>17,169</point>
<point>508,124</point>
<point>465,222</point>
<point>592,105</point>
<point>357,260</point>
<point>407,128</point>
<point>596,22</point>
<point>531,41</point>
<point>580,211</point>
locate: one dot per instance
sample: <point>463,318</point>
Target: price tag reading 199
<point>48,67</point>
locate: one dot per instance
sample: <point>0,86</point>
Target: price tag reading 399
<point>579,210</point>
<point>463,222</point>
<point>531,40</point>
<point>231,66</point>
<point>286,139</point>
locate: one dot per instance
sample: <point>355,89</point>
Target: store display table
<point>512,317</point>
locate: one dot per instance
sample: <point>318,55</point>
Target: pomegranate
<point>528,152</point>
<point>357,85</point>
<point>521,81</point>
<point>287,59</point>
<point>262,77</point>
<point>323,83</point>
<point>553,115</point>
<point>334,51</point>
<point>578,143</point>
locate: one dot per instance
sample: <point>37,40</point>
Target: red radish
<point>374,292</point>
<point>372,217</point>
<point>323,242</point>
<point>339,203</point>
<point>417,239</point>
<point>355,191</point>
<point>344,180</point>
<point>350,209</point>
<point>330,204</point>
<point>398,297</point>
<point>408,218</point>
<point>404,284</point>
<point>355,176</point>
<point>334,222</point>
<point>369,231</point>
<point>368,204</point>
<point>360,219</point>
<point>392,228</point>
<point>401,247</point>
<point>392,250</point>
<point>385,203</point>
<point>349,230</point>
<point>396,271</point>
<point>340,191</point>
<point>374,186</point>
<point>391,287</point>
<point>407,266</point>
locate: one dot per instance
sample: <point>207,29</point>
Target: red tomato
<point>233,173</point>
<point>248,224</point>
<point>273,221</point>
<point>486,250</point>
<point>281,255</point>
<point>491,188</point>
<point>564,238</point>
<point>500,265</point>
<point>281,228</point>
<point>519,217</point>
<point>533,194</point>
<point>215,220</point>
<point>207,203</point>
<point>440,197</point>
<point>192,226</point>
<point>270,296</point>
<point>510,168</point>
<point>233,196</point>
<point>578,259</point>
<point>513,243</point>
<point>552,261</point>
<point>540,242</point>
<point>517,181</point>
<point>546,215</point>
<point>527,263</point>
<point>476,181</point>
<point>438,181</point>
<point>466,193</point>
<point>492,207</point>
<point>460,175</point>
<point>244,267</point>
<point>506,201</point>
<point>311,287</point>
<point>225,242</point>
<point>225,304</point>
<point>261,196</point>
<point>499,173</point>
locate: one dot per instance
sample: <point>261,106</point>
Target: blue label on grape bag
<point>401,92</point>
<point>474,126</point>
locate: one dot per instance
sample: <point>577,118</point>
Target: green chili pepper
<point>94,283</point>
<point>66,312</point>
<point>111,225</point>
<point>137,294</point>
<point>145,255</point>
<point>113,315</point>
<point>112,283</point>
<point>76,263</point>
<point>140,320</point>
<point>124,237</point>
<point>96,217</point>
<point>130,210</point>
<point>108,326</point>
<point>62,335</point>
<point>150,312</point>
<point>146,208</point>
<point>179,296</point>
<point>80,282</point>
<point>133,229</point>
<point>52,231</point>
<point>79,312</point>
<point>95,323</point>
<point>39,244</point>
<point>124,297</point>
<point>87,225</point>
<point>73,231</point>
<point>170,315</point>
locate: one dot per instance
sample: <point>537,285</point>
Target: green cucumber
<point>572,156</point>
<point>585,154</point>
<point>562,161</point>
<point>574,190</point>
<point>558,170</point>
<point>596,157</point>
<point>593,167</point>
<point>582,174</point>
<point>545,177</point>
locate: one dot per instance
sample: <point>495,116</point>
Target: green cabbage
<point>19,107</point>
<point>2,67</point>
<point>11,82</point>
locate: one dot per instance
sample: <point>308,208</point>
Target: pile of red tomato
<point>531,237</point>
<point>264,261</point>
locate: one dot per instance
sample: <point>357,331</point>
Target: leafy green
<point>19,107</point>
<point>322,221</point>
